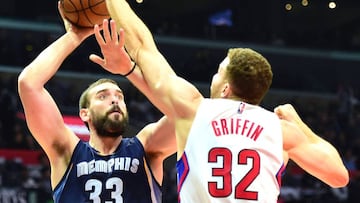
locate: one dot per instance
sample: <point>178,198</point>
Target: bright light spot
<point>288,7</point>
<point>139,1</point>
<point>332,5</point>
<point>305,2</point>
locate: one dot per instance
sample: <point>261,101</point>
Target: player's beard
<point>106,126</point>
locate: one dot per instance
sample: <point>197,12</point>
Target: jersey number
<point>244,157</point>
<point>95,188</point>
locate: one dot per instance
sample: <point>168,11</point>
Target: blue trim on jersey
<point>119,177</point>
<point>183,170</point>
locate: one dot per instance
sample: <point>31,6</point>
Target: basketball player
<point>229,148</point>
<point>108,168</point>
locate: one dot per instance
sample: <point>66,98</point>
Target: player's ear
<point>84,114</point>
<point>226,90</point>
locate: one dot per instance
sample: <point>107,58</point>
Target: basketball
<point>85,13</point>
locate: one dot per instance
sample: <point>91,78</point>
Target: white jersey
<point>234,153</point>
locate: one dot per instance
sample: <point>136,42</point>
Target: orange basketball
<point>85,13</point>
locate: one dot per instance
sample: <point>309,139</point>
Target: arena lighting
<point>332,5</point>
<point>305,2</point>
<point>288,7</point>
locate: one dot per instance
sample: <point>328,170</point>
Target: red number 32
<point>244,157</point>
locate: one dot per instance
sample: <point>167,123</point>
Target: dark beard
<point>106,127</point>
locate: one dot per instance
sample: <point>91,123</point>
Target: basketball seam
<point>90,8</point>
<point>84,10</point>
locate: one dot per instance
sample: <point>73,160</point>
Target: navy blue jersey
<point>122,177</point>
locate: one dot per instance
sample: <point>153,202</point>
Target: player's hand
<point>80,33</point>
<point>116,60</point>
<point>288,112</point>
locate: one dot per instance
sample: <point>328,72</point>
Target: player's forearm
<point>137,79</point>
<point>149,89</point>
<point>140,44</point>
<point>137,35</point>
<point>335,173</point>
<point>321,160</point>
<point>139,41</point>
<point>333,170</point>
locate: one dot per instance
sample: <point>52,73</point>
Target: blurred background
<point>313,46</point>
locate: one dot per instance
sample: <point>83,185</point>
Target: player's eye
<point>102,96</point>
<point>119,96</point>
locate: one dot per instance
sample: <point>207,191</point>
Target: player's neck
<point>105,145</point>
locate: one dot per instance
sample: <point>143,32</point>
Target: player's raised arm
<point>43,117</point>
<point>311,152</point>
<point>170,93</point>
